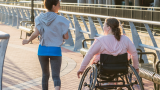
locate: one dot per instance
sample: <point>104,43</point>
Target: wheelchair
<point>111,73</point>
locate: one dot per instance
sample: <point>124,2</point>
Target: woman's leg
<point>56,66</point>
<point>44,61</point>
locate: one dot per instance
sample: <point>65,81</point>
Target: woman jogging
<point>53,29</point>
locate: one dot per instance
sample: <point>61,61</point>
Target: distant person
<point>112,43</point>
<point>53,29</point>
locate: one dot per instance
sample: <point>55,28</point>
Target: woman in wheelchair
<point>112,46</point>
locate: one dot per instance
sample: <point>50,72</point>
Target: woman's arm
<point>132,50</point>
<point>94,49</point>
<point>33,36</point>
<point>95,58</point>
<point>66,36</point>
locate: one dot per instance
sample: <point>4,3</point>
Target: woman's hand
<point>137,70</point>
<point>79,73</point>
<point>25,42</point>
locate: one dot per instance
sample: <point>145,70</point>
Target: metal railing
<point>134,12</point>
<point>83,26</point>
<point>4,38</point>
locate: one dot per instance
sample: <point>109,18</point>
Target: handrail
<point>3,46</point>
<point>149,47</point>
<point>94,15</point>
<point>100,16</point>
<point>119,18</point>
<point>4,35</point>
<point>103,5</point>
<point>109,5</point>
<point>85,32</point>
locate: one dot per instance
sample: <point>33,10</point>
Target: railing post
<point>109,2</point>
<point>19,18</point>
<point>35,13</point>
<point>78,35</point>
<point>85,24</point>
<point>14,19</point>
<point>70,21</point>
<point>136,2</point>
<point>152,39</point>
<point>23,11</point>
<point>1,13</point>
<point>9,16</point>
<point>4,37</point>
<point>5,15</point>
<point>2,17</point>
<point>28,15</point>
<point>124,33</point>
<point>81,1</point>
<point>100,22</point>
<point>137,40</point>
<point>14,3</point>
<point>100,1</point>
<point>92,28</point>
<point>90,1</point>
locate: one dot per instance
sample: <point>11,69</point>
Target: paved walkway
<point>22,70</point>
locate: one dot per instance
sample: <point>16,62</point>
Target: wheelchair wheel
<point>89,78</point>
<point>134,79</point>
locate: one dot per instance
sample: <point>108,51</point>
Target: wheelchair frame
<point>93,82</point>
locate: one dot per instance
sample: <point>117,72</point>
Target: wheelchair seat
<point>112,66</point>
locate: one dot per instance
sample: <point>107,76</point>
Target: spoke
<point>88,81</point>
<point>133,81</point>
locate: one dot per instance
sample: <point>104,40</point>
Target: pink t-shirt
<point>109,45</point>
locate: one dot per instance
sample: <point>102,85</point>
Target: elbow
<point>36,34</point>
<point>67,37</point>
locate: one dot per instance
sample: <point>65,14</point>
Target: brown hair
<point>49,3</point>
<point>114,24</point>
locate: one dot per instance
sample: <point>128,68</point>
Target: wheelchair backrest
<point>110,64</point>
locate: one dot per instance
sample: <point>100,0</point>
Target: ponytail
<point>114,24</point>
<point>117,33</point>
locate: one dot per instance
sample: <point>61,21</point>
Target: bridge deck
<point>22,70</point>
